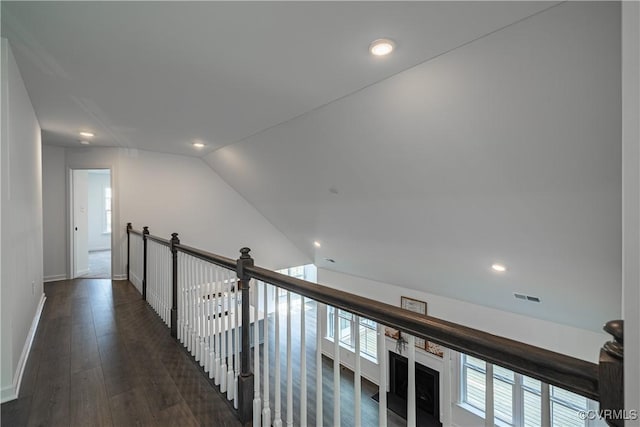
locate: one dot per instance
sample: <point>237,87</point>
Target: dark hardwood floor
<point>101,356</point>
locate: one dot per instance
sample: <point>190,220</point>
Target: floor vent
<point>526,297</point>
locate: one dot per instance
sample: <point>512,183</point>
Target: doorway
<point>91,223</point>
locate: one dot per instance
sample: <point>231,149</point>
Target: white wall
<point>54,212</point>
<point>580,343</point>
<point>99,240</point>
<point>172,193</point>
<point>21,218</point>
<point>631,202</point>
<point>181,194</point>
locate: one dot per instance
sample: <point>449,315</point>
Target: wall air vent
<point>528,298</point>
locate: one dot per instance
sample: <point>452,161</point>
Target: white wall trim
<point>119,277</point>
<point>11,392</point>
<point>54,278</point>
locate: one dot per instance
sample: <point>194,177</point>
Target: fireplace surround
<point>427,390</point>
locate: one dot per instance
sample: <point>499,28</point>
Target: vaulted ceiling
<point>491,134</point>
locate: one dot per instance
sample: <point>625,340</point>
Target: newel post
<point>174,284</point>
<point>245,382</point>
<point>611,375</point>
<point>128,248</point>
<point>145,233</point>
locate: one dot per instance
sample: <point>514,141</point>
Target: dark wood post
<point>611,376</point>
<point>245,382</point>
<point>145,233</point>
<point>174,284</point>
<point>128,248</point>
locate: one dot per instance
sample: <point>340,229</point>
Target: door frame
<point>71,224</point>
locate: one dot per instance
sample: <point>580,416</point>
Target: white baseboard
<point>11,392</point>
<point>119,277</point>
<point>54,278</point>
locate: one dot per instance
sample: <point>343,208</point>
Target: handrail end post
<point>611,375</point>
<point>245,394</point>
<point>245,382</point>
<point>145,233</point>
<point>174,284</point>
<point>129,228</point>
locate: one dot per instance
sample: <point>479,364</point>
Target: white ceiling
<point>455,152</point>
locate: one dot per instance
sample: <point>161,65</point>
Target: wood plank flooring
<point>369,409</point>
<point>102,357</point>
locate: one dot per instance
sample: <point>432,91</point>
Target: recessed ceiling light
<point>87,134</point>
<point>316,244</point>
<point>84,142</point>
<point>500,268</point>
<point>198,144</point>
<point>381,47</point>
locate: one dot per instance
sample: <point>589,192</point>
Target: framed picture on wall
<point>419,307</point>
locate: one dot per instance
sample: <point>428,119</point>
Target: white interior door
<point>80,223</point>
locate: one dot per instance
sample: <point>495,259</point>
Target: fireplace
<point>427,390</point>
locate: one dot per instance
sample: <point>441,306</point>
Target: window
<point>297,272</point>
<point>107,209</point>
<point>368,330</point>
<point>517,399</point>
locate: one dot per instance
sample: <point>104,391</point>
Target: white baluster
<point>168,286</point>
<point>277,421</point>
<point>180,298</point>
<point>197,348</point>
<point>206,308</point>
<point>188,296</point>
<point>289,366</point>
<point>336,368</point>
<point>545,400</point>
<point>203,298</point>
<point>319,322</point>
<point>357,386</point>
<point>154,281</point>
<point>488,396</point>
<point>266,410</point>
<point>192,317</point>
<point>411,388</point>
<point>216,329</point>
<point>257,404</point>
<point>223,335</point>
<point>230,361</point>
<point>382,389</point>
<point>237,310</point>
<point>212,321</point>
<point>303,364</point>
<point>154,277</point>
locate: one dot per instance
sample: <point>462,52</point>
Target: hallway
<point>91,365</point>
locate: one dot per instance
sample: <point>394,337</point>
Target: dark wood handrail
<point>134,231</point>
<point>602,382</point>
<point>567,372</point>
<point>220,260</point>
<point>156,239</point>
<point>159,240</point>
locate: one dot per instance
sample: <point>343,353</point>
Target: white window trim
<point>352,349</point>
<point>517,398</point>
